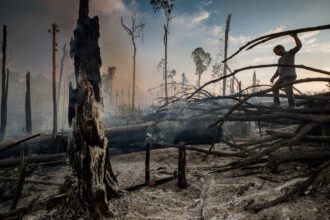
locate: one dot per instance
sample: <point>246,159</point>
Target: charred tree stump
<point>28,112</point>
<point>147,164</point>
<point>88,152</point>
<point>182,180</point>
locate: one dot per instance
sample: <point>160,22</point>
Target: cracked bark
<point>88,153</point>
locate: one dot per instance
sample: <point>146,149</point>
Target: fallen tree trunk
<point>124,139</point>
<point>304,156</point>
<point>12,162</point>
<point>32,181</point>
<point>6,145</point>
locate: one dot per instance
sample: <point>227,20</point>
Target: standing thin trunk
<point>54,31</point>
<point>88,152</point>
<point>165,66</point>
<point>28,112</point>
<point>134,69</point>
<point>111,96</point>
<point>224,86</point>
<point>240,88</point>
<point>128,97</point>
<point>122,98</point>
<point>199,80</point>
<point>4,88</point>
<point>61,74</point>
<point>135,31</point>
<point>232,85</point>
<point>254,82</point>
<point>116,101</point>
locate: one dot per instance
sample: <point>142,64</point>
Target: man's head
<point>279,50</point>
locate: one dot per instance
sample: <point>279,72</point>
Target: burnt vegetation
<point>206,137</point>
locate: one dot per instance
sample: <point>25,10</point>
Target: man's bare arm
<point>298,44</point>
<point>274,77</point>
<point>297,40</point>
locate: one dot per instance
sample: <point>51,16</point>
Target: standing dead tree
<point>135,31</point>
<point>28,112</point>
<point>88,152</point>
<point>54,31</point>
<point>184,80</point>
<point>224,86</point>
<point>167,6</point>
<point>65,54</point>
<point>107,79</point>
<point>4,86</point>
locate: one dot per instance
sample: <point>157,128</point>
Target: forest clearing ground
<point>208,196</point>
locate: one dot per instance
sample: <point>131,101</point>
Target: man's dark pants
<point>288,90</point>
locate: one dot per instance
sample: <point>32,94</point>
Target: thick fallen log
<point>125,139</point>
<point>8,144</point>
<point>12,162</point>
<point>304,156</point>
<point>32,181</point>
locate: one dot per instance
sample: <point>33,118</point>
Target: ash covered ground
<point>208,196</point>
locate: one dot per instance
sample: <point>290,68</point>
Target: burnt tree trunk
<point>147,164</point>
<point>28,112</point>
<point>224,86</point>
<point>4,86</point>
<point>182,180</point>
<point>166,61</point>
<point>88,152</point>
<point>134,74</point>
<point>61,73</point>
<point>54,31</point>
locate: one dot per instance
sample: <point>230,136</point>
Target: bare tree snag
<point>88,152</point>
<point>28,112</point>
<point>4,86</point>
<point>61,73</point>
<point>54,31</point>
<point>147,164</point>
<point>135,31</point>
<point>182,180</point>
<point>224,86</point>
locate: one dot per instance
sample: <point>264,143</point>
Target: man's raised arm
<point>298,44</point>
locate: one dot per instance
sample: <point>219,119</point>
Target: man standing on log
<point>285,74</point>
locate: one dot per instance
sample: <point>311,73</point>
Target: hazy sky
<point>195,23</point>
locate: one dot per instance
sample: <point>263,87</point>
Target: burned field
<point>190,154</point>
